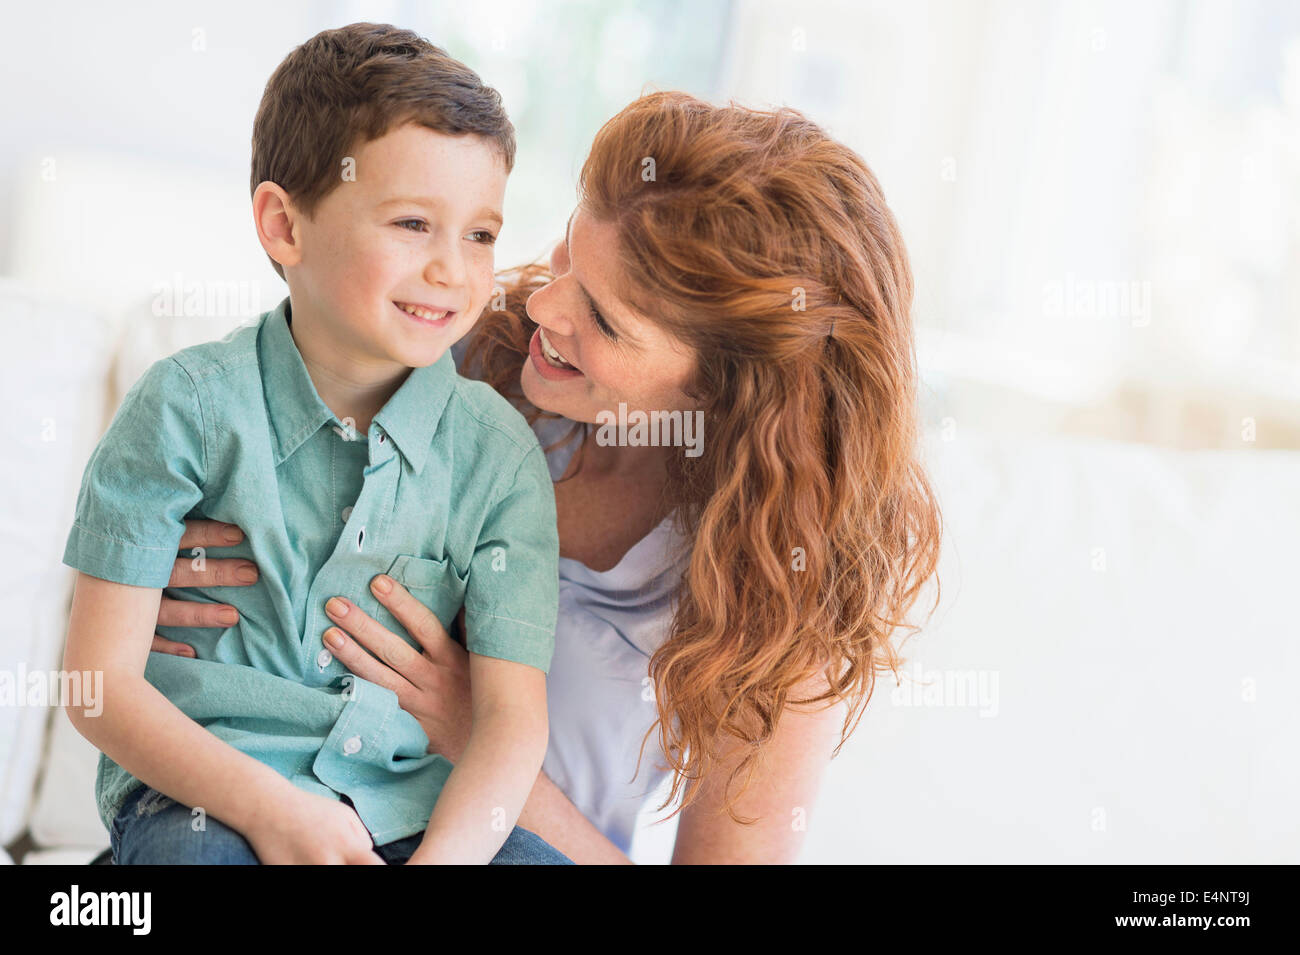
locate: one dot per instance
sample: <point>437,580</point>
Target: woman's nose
<point>548,308</point>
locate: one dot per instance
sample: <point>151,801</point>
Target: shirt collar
<point>412,414</point>
<point>297,412</point>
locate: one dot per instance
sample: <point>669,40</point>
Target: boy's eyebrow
<point>604,313</point>
<point>484,213</point>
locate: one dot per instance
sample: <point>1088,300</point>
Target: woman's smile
<point>551,352</point>
<point>547,367</point>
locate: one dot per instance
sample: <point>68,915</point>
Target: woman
<point>724,607</point>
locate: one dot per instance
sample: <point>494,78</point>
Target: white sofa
<point>1112,665</point>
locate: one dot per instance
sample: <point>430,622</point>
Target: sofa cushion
<point>64,812</point>
<point>53,392</point>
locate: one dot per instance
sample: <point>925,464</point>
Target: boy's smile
<point>432,315</point>
<point>395,265</point>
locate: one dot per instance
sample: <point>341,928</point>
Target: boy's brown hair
<point>346,87</point>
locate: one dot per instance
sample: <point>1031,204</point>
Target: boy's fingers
<point>210,534</point>
<point>217,572</point>
<point>189,613</point>
<point>163,645</point>
<point>419,621</point>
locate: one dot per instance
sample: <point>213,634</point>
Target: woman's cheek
<point>606,382</point>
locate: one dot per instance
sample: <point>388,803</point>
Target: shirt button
<point>324,659</point>
<point>351,745</point>
<point>382,437</point>
<point>347,512</point>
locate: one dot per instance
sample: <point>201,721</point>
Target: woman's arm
<point>780,796</point>
<point>550,814</point>
<point>433,686</point>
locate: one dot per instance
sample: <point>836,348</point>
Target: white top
<point>600,697</point>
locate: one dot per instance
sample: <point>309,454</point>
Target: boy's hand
<point>311,830</point>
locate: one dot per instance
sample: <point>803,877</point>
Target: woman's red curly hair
<point>750,235</point>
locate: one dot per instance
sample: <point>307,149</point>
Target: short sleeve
<point>143,479</point>
<point>512,594</point>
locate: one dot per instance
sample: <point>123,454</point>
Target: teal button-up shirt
<point>448,493</point>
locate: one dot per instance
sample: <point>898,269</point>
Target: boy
<point>338,435</point>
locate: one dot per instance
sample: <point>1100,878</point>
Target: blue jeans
<point>153,829</point>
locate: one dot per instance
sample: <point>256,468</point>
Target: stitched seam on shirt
<point>203,425</point>
<point>222,366</point>
<point>520,445</point>
<point>515,439</point>
<point>497,616</point>
<point>300,436</point>
<point>514,478</point>
<point>117,540</point>
<point>214,368</point>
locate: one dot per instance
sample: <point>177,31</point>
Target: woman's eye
<point>484,236</point>
<point>419,223</point>
<point>603,325</point>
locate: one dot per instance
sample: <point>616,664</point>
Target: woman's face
<point>614,353</point>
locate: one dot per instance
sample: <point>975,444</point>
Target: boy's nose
<point>445,266</point>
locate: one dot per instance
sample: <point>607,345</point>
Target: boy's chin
<point>419,357</point>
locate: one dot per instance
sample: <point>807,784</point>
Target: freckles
<point>483,286</point>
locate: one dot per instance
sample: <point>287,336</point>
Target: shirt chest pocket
<point>435,583</point>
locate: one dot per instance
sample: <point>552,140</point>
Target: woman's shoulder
<point>458,350</point>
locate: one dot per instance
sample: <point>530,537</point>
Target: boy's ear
<point>276,219</point>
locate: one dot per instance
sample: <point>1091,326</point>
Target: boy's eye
<point>419,225</point>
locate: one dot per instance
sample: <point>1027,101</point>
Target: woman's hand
<point>432,686</point>
<point>218,572</point>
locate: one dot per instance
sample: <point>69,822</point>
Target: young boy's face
<point>414,230</point>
